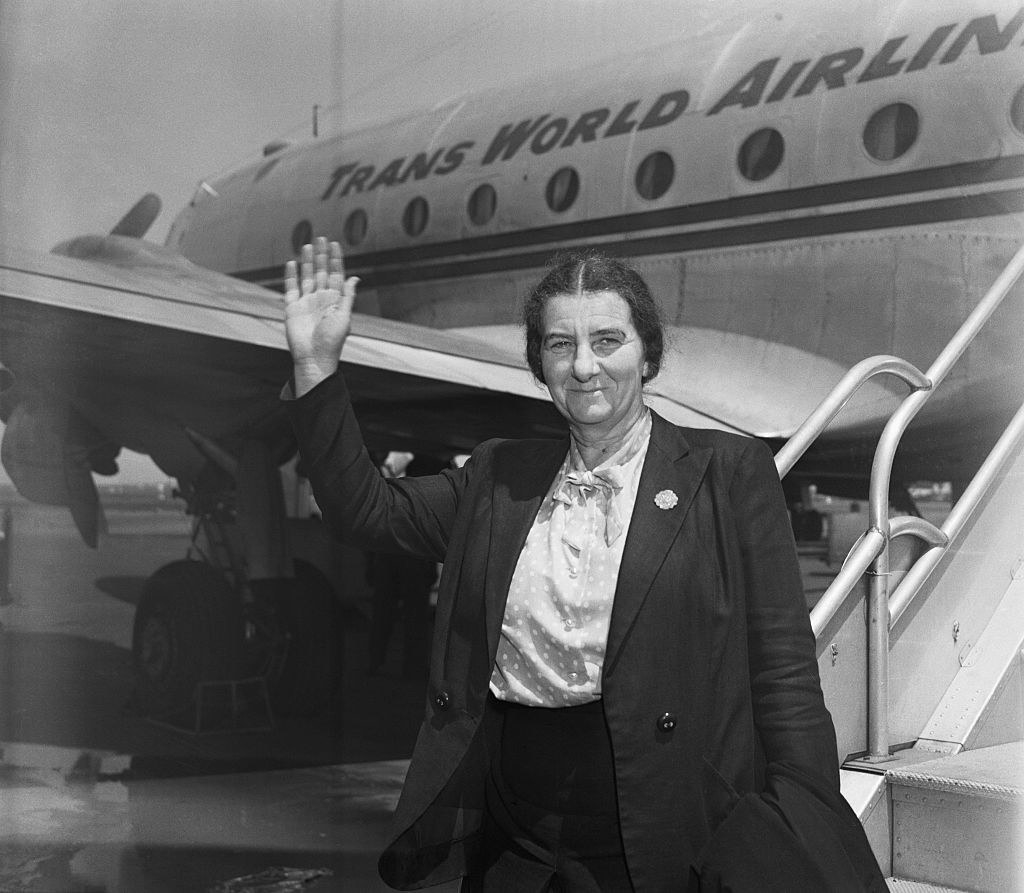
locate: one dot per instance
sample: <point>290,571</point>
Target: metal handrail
<point>871,553</point>
<point>869,546</point>
<point>864,552</point>
<point>961,512</point>
<point>911,525</point>
<point>881,469</point>
<point>838,397</point>
<point>878,504</point>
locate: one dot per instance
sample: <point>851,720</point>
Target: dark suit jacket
<point>709,623</point>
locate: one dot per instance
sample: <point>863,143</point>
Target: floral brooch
<point>666,499</point>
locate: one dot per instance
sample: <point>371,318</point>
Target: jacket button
<point>442,700</point>
<point>666,722</point>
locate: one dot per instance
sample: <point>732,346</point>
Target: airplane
<point>802,186</point>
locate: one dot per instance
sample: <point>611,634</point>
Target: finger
<point>291,282</point>
<point>308,277</point>
<point>348,294</point>
<point>336,279</point>
<point>321,262</point>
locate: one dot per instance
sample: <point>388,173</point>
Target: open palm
<point>318,312</point>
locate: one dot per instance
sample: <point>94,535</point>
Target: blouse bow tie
<point>578,486</point>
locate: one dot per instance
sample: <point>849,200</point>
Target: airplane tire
<point>188,629</point>
<point>309,680</point>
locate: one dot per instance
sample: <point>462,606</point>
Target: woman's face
<point>593,362</point>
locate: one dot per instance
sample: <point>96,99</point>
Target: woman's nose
<point>584,364</point>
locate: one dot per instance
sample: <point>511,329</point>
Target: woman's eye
<point>606,344</point>
<point>560,345</point>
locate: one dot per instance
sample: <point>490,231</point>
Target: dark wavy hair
<point>590,271</point>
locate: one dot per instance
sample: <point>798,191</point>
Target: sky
<point>102,101</point>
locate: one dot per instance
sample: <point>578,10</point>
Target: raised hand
<point>318,314</point>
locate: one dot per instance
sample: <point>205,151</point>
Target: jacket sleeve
<point>789,711</point>
<point>410,515</point>
<point>798,833</point>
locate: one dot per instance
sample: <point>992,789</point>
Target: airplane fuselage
<point>841,181</point>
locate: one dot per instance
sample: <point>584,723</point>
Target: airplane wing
<point>119,342</point>
<point>715,379</point>
<point>126,344</point>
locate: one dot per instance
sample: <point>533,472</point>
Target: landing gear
<point>247,615</point>
<point>192,627</point>
<point>308,638</point>
<point>188,629</point>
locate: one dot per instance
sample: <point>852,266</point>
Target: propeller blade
<point>140,218</point>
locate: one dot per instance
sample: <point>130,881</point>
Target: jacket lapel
<point>521,480</point>
<point>671,465</point>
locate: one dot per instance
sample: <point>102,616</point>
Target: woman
<point>623,689</point>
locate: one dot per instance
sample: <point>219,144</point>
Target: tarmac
<point>94,797</point>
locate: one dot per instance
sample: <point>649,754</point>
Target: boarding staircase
<point>925,679</point>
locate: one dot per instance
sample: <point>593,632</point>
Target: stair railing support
<point>878,504</point>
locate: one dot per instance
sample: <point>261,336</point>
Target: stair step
<point>902,885</point>
<point>996,772</point>
<point>959,820</point>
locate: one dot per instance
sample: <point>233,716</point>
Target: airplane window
<point>655,175</point>
<point>355,227</point>
<point>482,204</point>
<point>891,131</point>
<point>562,189</point>
<point>761,154</point>
<point>301,235</point>
<point>1017,110</point>
<point>417,212</point>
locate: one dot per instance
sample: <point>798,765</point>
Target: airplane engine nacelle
<point>49,453</point>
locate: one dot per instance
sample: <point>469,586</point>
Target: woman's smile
<point>593,361</point>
